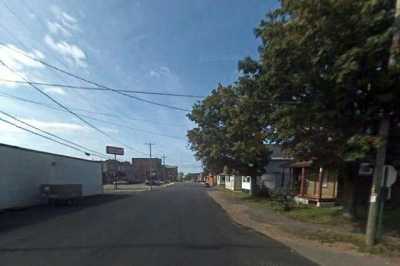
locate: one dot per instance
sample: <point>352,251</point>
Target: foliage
<point>229,131</point>
<point>329,59</point>
<point>320,88</point>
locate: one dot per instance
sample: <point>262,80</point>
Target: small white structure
<point>233,182</point>
<point>246,183</point>
<point>24,170</point>
<point>221,180</point>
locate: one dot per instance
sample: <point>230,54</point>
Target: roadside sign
<point>114,150</point>
<point>391,175</point>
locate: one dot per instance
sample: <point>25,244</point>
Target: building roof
<point>300,164</point>
<point>48,153</point>
<point>170,166</point>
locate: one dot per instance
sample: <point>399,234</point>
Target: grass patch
<point>386,247</point>
<point>258,202</point>
<point>391,222</point>
<point>329,216</point>
<point>332,216</point>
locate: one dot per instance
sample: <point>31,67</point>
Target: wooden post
<point>303,170</point>
<point>321,172</point>
<point>334,186</point>
<point>376,196</point>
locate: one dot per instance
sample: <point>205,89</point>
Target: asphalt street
<point>176,225</point>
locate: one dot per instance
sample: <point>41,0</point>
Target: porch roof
<point>300,164</point>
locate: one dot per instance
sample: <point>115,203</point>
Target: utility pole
<point>164,168</point>
<point>150,144</point>
<point>150,164</point>
<point>376,198</point>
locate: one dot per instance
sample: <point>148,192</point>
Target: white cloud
<point>44,125</point>
<point>56,28</point>
<point>69,51</point>
<point>54,126</point>
<point>64,19</point>
<point>69,18</point>
<point>21,65</point>
<point>159,72</point>
<point>55,90</point>
<point>154,74</point>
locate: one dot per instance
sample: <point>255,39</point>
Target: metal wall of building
<point>22,171</point>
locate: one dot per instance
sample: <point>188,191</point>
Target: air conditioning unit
<point>366,169</point>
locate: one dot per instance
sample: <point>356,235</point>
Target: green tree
<point>229,132</point>
<point>329,60</point>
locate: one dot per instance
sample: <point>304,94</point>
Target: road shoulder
<point>269,225</point>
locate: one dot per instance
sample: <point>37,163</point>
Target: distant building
<point>170,172</point>
<point>147,168</point>
<point>115,170</point>
<point>194,176</point>
<point>233,182</point>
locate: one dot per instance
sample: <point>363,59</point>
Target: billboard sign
<point>114,150</point>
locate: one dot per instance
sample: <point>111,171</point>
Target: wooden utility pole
<point>376,195</point>
<point>164,167</point>
<point>376,190</point>
<point>150,165</point>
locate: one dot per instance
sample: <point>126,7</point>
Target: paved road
<point>179,225</point>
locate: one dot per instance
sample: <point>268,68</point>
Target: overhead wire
<point>55,68</point>
<point>122,92</point>
<point>64,107</point>
<point>40,135</point>
<point>99,89</point>
<point>87,116</point>
<point>6,95</point>
<point>98,154</point>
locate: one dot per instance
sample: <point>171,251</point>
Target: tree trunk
<point>347,190</point>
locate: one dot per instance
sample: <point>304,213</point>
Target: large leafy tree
<point>328,60</point>
<point>230,128</point>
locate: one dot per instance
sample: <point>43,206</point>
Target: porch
<point>313,184</point>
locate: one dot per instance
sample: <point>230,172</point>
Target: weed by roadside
<point>386,247</point>
<point>331,226</point>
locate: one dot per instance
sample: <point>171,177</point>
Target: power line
<point>6,95</point>
<point>26,28</point>
<point>43,136</point>
<point>14,14</point>
<point>88,117</point>
<point>132,128</point>
<point>54,100</point>
<point>98,154</point>
<point>39,18</point>
<point>64,107</point>
<point>99,89</point>
<point>95,83</point>
<point>48,96</point>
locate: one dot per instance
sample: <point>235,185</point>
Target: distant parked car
<point>153,182</point>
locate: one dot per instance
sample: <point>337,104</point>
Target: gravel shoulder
<point>290,232</point>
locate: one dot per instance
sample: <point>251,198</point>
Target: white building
<point>221,180</point>
<point>23,171</point>
<point>233,182</point>
<point>246,183</point>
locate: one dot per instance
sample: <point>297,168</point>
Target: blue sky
<point>175,46</point>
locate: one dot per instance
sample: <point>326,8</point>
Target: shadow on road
<point>144,245</point>
<point>13,219</point>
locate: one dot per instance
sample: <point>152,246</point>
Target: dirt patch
<point>320,245</point>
